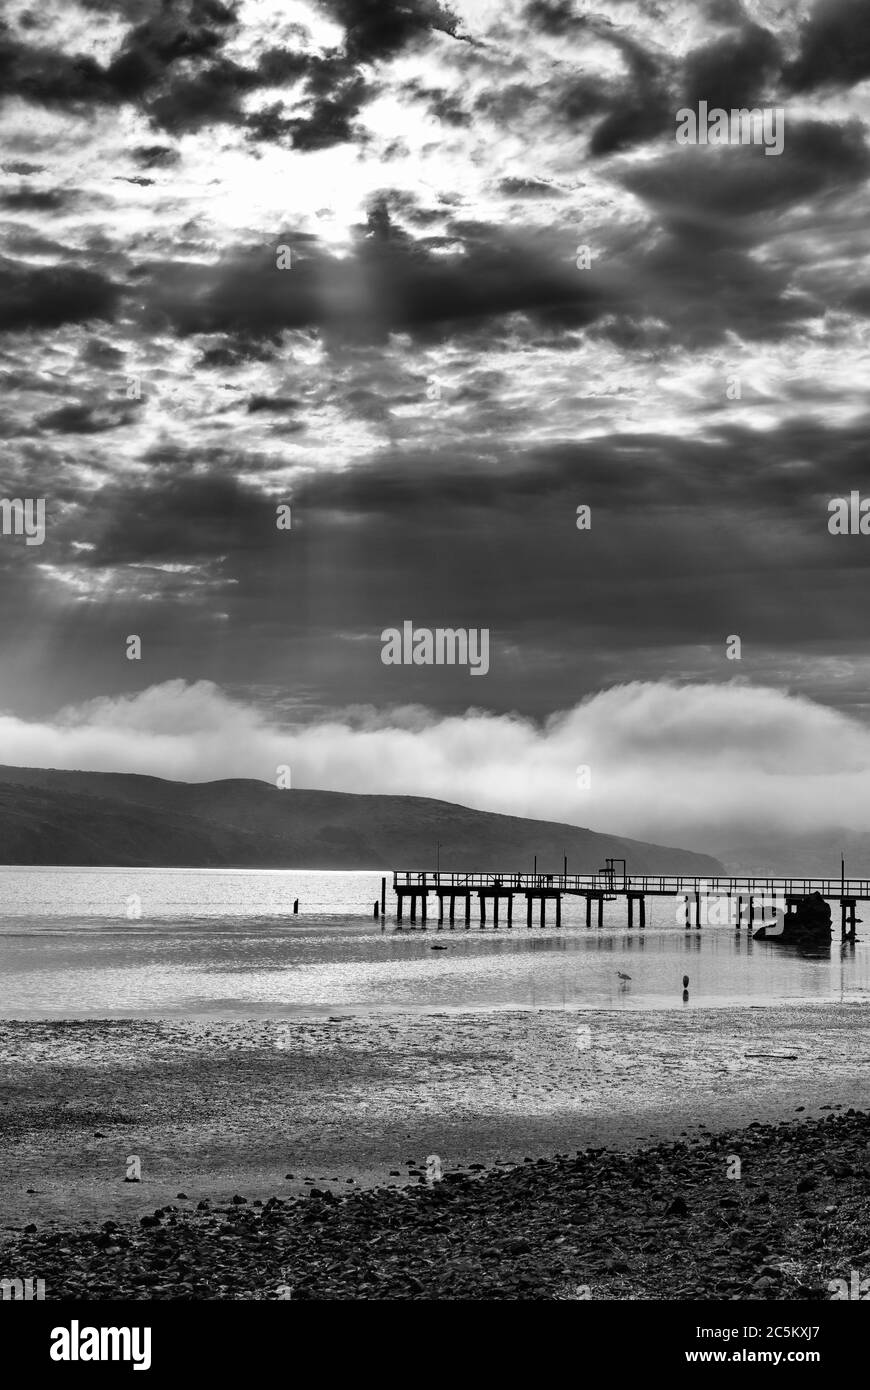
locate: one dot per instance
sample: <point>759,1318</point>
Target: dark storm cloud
<point>453,536</point>
<point>45,298</point>
<point>552,16</point>
<point>457,536</point>
<point>36,199</point>
<point>211,96</point>
<point>640,114</point>
<point>376,29</point>
<point>156,156</point>
<point>390,285</point>
<point>337,92</point>
<point>834,48</point>
<point>671,518</point>
<point>735,70</point>
<point>445,106</point>
<point>96,352</point>
<point>55,78</point>
<point>22,166</point>
<point>77,417</point>
<point>742,180</point>
<point>170,65</point>
<point>704,289</point>
<point>529,188</point>
<point>641,474</point>
<point>506,104</point>
<point>279,404</point>
<point>178,516</point>
<point>639,107</point>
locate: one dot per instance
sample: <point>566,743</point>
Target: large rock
<point>808,922</point>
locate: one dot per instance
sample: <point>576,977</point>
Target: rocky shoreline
<point>770,1212</point>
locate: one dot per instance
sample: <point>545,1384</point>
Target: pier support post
<point>468,911</point>
<point>452,910</point>
<point>559,912</point>
<point>495,913</point>
<point>589,909</point>
<point>642,903</point>
<point>847,919</point>
<point>543,912</point>
<point>601,909</point>
<point>482,910</point>
<point>383,897</point>
<point>400,902</point>
<point>511,911</point>
<point>751,911</point>
<point>630,912</point>
<point>529,911</point>
<point>697,912</point>
<point>440,908</point>
<point>424,897</point>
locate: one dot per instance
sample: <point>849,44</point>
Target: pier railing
<point>651,884</point>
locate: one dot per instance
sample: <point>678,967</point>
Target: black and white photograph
<point>434,672</point>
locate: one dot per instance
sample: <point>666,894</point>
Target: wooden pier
<point>753,895</point>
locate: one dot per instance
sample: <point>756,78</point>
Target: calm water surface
<point>219,943</point>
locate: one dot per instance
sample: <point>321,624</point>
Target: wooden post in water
<point>642,902</point>
<point>495,912</point>
<point>601,909</point>
<point>482,902</point>
<point>558,911</point>
<point>589,909</point>
<point>296,906</point>
<point>529,911</point>
<point>383,897</point>
<point>630,912</point>
<point>468,911</point>
<point>452,909</point>
<point>543,912</point>
<point>377,907</point>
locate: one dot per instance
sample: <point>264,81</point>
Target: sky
<point>434,386</point>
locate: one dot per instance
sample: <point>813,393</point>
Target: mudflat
<point>268,1108</point>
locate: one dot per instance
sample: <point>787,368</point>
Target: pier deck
<point>414,886</point>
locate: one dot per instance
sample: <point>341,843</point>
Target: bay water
<point>225,943</point>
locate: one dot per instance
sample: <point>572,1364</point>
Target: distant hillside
<point>108,818</point>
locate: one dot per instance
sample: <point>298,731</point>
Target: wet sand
<point>212,1109</point>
